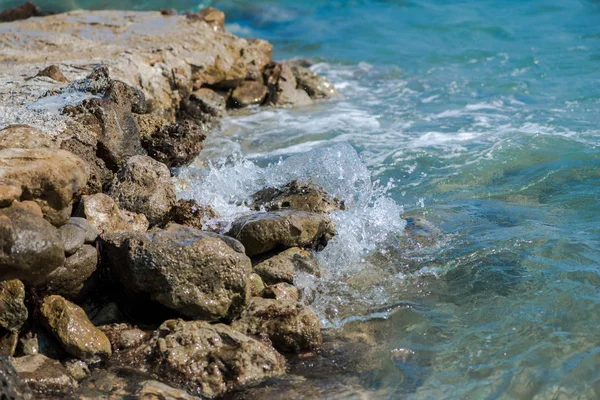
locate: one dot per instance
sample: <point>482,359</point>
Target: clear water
<point>483,118</point>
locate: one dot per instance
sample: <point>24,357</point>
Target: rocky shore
<point>111,287</point>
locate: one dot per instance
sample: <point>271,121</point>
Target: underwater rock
<point>317,86</point>
<point>44,375</point>
<point>283,91</point>
<point>175,145</point>
<point>25,137</point>
<point>53,72</point>
<point>296,196</point>
<point>71,280</point>
<point>283,266</point>
<point>247,94</point>
<point>281,291</point>
<point>13,388</point>
<point>190,213</point>
<point>262,232</point>
<point>143,185</point>
<point>105,216</point>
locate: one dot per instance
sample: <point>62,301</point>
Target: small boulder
<point>317,86</point>
<point>71,327</point>
<point>213,17</point>
<point>296,196</point>
<point>73,238</point>
<point>262,232</point>
<point>78,369</point>
<point>13,388</point>
<point>103,214</point>
<point>13,312</point>
<point>149,124</point>
<point>281,291</point>
<point>175,145</point>
<point>91,233</point>
<point>8,343</point>
<point>132,99</point>
<point>204,106</point>
<point>210,360</point>
<point>247,94</point>
<point>25,137</point>
<point>124,336</point>
<point>290,326</point>
<point>44,375</point>
<point>283,266</point>
<point>53,72</point>
<point>190,213</point>
<point>282,85</point>
<point>70,280</point>
<point>144,186</point>
<point>256,285</point>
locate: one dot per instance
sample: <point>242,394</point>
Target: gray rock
<point>91,233</point>
<point>13,312</point>
<point>283,266</point>
<point>105,216</point>
<point>144,186</point>
<point>73,238</point>
<point>70,280</point>
<point>317,87</point>
<point>296,196</point>
<point>191,213</point>
<point>262,232</point>
<point>44,375</point>
<point>13,388</point>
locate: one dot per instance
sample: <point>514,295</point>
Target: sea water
<point>478,119</point>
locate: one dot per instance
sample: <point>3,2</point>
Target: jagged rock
<point>199,274</point>
<point>289,325</point>
<point>78,369</point>
<point>190,213</point>
<point>144,186</point>
<point>213,17</point>
<point>248,93</point>
<point>30,247</point>
<point>38,341</point>
<point>148,125</point>
<point>53,72</point>
<point>71,279</point>
<point>13,388</point>
<point>296,196</point>
<point>71,327</point>
<point>175,145</point>
<point>44,375</point>
<point>283,266</point>
<point>24,11</point>
<point>210,360</point>
<point>262,232</point>
<point>205,106</point>
<point>124,336</point>
<point>282,87</point>
<point>317,86</point>
<point>73,238</point>
<point>50,177</point>
<point>132,99</point>
<point>25,137</point>
<point>256,285</point>
<point>281,291</point>
<point>168,11</point>
<point>91,233</point>
<point>13,312</point>
<point>154,390</point>
<point>8,342</point>
<point>103,214</point>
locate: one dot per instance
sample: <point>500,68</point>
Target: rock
<point>201,275</point>
<point>289,325</point>
<point>210,360</point>
<point>50,177</point>
<point>30,248</point>
<point>73,238</point>
<point>28,206</point>
<point>38,341</point>
<point>262,232</point>
<point>205,106</point>
<point>282,85</point>
<point>213,17</point>
<point>13,388</point>
<point>168,11</point>
<point>296,196</point>
<point>25,137</point>
<point>154,390</point>
<point>281,291</point>
<point>44,375</point>
<point>247,94</point>
<point>124,336</point>
<point>149,124</point>
<point>283,266</point>
<point>70,280</point>
<point>13,312</point>
<point>128,97</point>
<point>24,11</point>
<point>8,343</point>
<point>105,314</point>
<point>91,233</point>
<point>71,327</point>
<point>175,145</point>
<point>256,285</point>
<point>190,213</point>
<point>53,72</point>
<point>29,345</point>
<point>317,87</point>
<point>144,186</point>
<point>103,214</point>
<point>78,369</point>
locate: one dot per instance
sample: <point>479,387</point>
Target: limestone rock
<point>148,125</point>
<point>13,388</point>
<point>91,233</point>
<point>24,11</point>
<point>44,375</point>
<point>73,238</point>
<point>30,248</point>
<point>70,280</point>
<point>281,291</point>
<point>78,369</point>
<point>317,86</point>
<point>256,285</point>
<point>25,137</point>
<point>248,93</point>
<point>201,275</point>
<point>290,326</point>
<point>282,87</point>
<point>213,17</point>
<point>283,266</point>
<point>53,72</point>
<point>144,186</point>
<point>190,213</point>
<point>101,211</point>
<point>296,196</point>
<point>71,327</point>
<point>262,232</point>
<point>50,177</point>
<point>175,145</point>
<point>13,312</point>
<point>205,106</point>
<point>210,360</point>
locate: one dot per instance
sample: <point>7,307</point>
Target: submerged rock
<point>283,266</point>
<point>175,145</point>
<point>13,312</point>
<point>210,360</point>
<point>25,137</point>
<point>155,390</point>
<point>13,388</point>
<point>296,196</point>
<point>282,87</point>
<point>262,232</point>
<point>103,214</point>
<point>317,86</point>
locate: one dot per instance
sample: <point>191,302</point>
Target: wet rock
<point>283,266</point>
<point>281,291</point>
<point>73,279</point>
<point>103,214</point>
<point>13,388</point>
<point>282,85</point>
<point>123,336</point>
<point>24,11</point>
<point>256,285</point>
<point>211,359</point>
<point>78,369</point>
<point>262,232</point>
<point>201,275</point>
<point>38,341</point>
<point>154,390</point>
<point>30,248</point>
<point>247,94</point>
<point>317,86</point>
<point>190,213</point>
<point>91,233</point>
<point>71,327</point>
<point>104,314</point>
<point>290,326</point>
<point>72,236</point>
<point>175,145</point>
<point>44,375</point>
<point>53,72</point>
<point>28,345</point>
<point>50,177</point>
<point>8,343</point>
<point>144,186</point>
<point>296,196</point>
<point>13,312</point>
<point>205,106</point>
<point>25,137</point>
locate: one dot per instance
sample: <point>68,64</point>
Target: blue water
<point>483,117</point>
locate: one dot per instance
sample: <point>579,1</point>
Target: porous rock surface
<point>283,266</point>
<point>13,388</point>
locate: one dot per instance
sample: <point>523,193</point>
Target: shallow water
<point>482,118</point>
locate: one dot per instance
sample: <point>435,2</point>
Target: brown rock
<point>149,124</point>
<point>282,85</point>
<point>317,86</point>
<point>124,336</point>
<point>105,216</point>
<point>190,213</point>
<point>13,388</point>
<point>281,291</point>
<point>8,343</point>
<point>29,206</point>
<point>213,17</point>
<point>25,137</point>
<point>248,93</point>
<point>175,145</point>
<point>204,106</point>
<point>296,196</point>
<point>283,266</point>
<point>24,11</point>
<point>53,72</point>
<point>78,369</point>
<point>256,285</point>
<point>154,390</point>
<point>13,312</point>
<point>44,375</point>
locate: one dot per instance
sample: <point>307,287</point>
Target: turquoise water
<point>483,118</point>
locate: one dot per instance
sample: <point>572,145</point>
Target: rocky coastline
<point>111,287</point>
